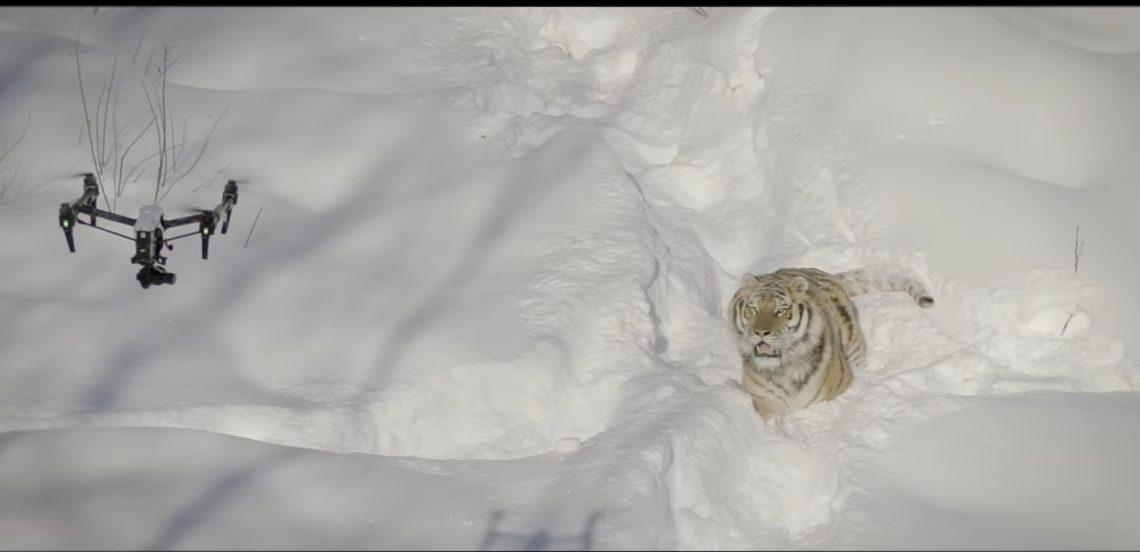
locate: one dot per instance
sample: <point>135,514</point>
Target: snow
<point>483,302</point>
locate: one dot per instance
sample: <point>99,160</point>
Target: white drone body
<point>150,219</point>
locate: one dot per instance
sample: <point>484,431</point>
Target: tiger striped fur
<point>798,332</point>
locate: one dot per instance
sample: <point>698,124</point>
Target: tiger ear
<point>734,308</point>
<point>748,279</point>
<point>799,284</point>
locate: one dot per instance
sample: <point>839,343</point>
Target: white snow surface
<point>483,305</point>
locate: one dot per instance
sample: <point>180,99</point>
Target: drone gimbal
<point>149,228</point>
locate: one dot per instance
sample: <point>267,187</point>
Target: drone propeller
<point>90,193</point>
<point>240,182</point>
<point>89,181</point>
<point>229,199</point>
<point>243,182</point>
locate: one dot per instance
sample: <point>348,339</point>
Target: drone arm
<point>68,220</point>
<point>207,221</point>
<point>182,221</point>
<point>88,198</point>
<point>90,194</point>
<point>124,236</point>
<point>86,205</point>
<point>86,202</point>
<point>116,217</point>
<point>186,235</point>
<point>93,211</point>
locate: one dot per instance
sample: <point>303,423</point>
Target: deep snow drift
<point>492,257</point>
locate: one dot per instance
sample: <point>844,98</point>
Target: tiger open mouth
<point>766,350</point>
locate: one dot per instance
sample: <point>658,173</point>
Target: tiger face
<point>769,318</point>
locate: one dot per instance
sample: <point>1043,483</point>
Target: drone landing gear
<point>67,222</point>
<point>154,275</point>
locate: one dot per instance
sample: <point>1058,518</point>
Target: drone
<point>149,228</point>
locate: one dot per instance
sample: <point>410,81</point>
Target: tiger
<point>798,332</point>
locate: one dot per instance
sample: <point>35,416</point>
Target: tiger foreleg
<point>764,409</point>
<point>772,419</point>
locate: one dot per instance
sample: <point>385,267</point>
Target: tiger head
<point>768,315</point>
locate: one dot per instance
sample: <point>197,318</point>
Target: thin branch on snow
<point>251,227</point>
<point>1067,320</point>
<point>1078,246</point>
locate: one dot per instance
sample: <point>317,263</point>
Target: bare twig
<point>7,184</point>
<point>155,155</point>
<point>120,178</point>
<point>112,145</point>
<point>211,180</point>
<point>267,234</point>
<point>251,227</point>
<point>164,119</point>
<point>178,149</point>
<point>90,135</point>
<point>161,121</point>
<point>1067,320</point>
<point>124,152</point>
<point>135,58</point>
<point>7,149</point>
<point>177,56</point>
<point>176,177</point>
<point>149,59</point>
<point>101,126</point>
<point>1078,246</point>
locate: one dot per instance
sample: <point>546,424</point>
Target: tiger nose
<point>761,333</point>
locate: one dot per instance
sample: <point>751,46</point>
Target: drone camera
<point>154,276</point>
